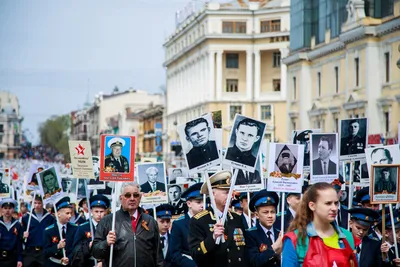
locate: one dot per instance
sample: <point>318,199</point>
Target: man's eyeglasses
<point>129,195</point>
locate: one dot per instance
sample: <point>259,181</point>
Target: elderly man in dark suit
<point>203,151</point>
<point>152,185</point>
<point>323,165</point>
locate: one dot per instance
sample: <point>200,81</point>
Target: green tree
<point>54,133</point>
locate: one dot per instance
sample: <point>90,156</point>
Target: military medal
<point>263,247</point>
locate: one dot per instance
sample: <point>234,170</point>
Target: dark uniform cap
<point>243,195</point>
<point>164,211</point>
<point>99,201</point>
<point>8,202</point>
<point>264,198</point>
<point>63,203</point>
<point>285,155</point>
<point>396,220</point>
<point>303,136</point>
<point>80,204</point>
<point>236,204</point>
<point>193,192</point>
<point>221,180</point>
<point>364,216</point>
<point>362,196</point>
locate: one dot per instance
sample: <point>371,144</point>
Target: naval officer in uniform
<point>53,244</point>
<point>115,159</point>
<point>205,227</point>
<point>354,142</point>
<point>179,250</point>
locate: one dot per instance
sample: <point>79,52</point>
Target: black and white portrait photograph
<point>353,138</point>
<point>285,167</point>
<point>69,186</point>
<point>198,144</point>
<point>152,180</point>
<point>81,189</point>
<point>325,157</point>
<point>382,155</point>
<point>302,137</point>
<point>96,183</point>
<point>176,173</point>
<point>50,184</point>
<point>174,196</point>
<point>384,184</point>
<point>247,181</point>
<point>244,143</point>
<point>5,183</point>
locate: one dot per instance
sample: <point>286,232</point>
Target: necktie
<point>358,249</point>
<point>153,187</point>
<point>134,224</point>
<point>325,171</point>
<point>162,240</point>
<point>63,232</point>
<point>269,236</point>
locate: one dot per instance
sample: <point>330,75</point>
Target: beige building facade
<point>228,57</point>
<point>354,74</point>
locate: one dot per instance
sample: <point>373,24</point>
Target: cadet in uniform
<point>10,236</point>
<point>115,159</point>
<point>205,227</point>
<point>164,214</point>
<point>354,143</point>
<point>83,238</point>
<point>264,242</point>
<point>244,203</point>
<point>53,244</point>
<point>179,247</point>
<point>41,219</point>
<point>389,246</point>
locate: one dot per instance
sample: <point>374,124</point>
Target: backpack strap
<point>349,237</point>
<point>301,249</point>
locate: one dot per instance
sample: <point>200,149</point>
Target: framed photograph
<point>117,159</point>
<point>174,195</point>
<point>96,183</point>
<point>81,189</point>
<point>382,155</point>
<point>285,168</point>
<point>5,183</point>
<point>31,183</point>
<point>325,157</point>
<point>49,184</point>
<point>384,187</point>
<point>176,173</point>
<point>153,182</point>
<point>353,138</point>
<point>81,159</point>
<point>198,144</point>
<point>302,137</point>
<point>69,186</point>
<point>250,181</point>
<point>107,191</point>
<point>244,143</point>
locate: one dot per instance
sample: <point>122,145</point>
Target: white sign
<point>81,159</point>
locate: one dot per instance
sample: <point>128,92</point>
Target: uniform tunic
<point>10,243</point>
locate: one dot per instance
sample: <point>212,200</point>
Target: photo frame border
<point>372,183</point>
<point>352,157</point>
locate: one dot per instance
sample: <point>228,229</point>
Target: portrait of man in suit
<point>323,165</point>
<point>203,149</point>
<point>245,148</point>
<point>152,184</point>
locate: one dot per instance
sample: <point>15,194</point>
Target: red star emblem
<point>80,149</point>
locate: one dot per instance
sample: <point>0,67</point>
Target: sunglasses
<point>128,195</point>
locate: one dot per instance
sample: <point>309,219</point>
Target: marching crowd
<point>315,230</point>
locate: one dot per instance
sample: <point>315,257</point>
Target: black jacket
<point>140,249</point>
<point>246,158</point>
<point>198,156</point>
<point>370,255</point>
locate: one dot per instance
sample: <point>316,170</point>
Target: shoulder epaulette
<point>73,224</point>
<point>49,227</point>
<point>83,223</point>
<point>201,214</point>
<point>251,229</point>
<point>373,237</point>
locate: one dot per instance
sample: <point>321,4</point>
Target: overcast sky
<point>55,54</point>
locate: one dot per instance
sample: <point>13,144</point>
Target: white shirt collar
<point>271,230</point>
<point>135,214</point>
<point>327,161</point>
<point>94,222</point>
<point>293,212</point>
<point>190,214</point>
<point>61,225</point>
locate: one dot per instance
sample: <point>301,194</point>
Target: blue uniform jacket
<point>51,238</point>
<point>36,228</point>
<point>78,219</point>
<point>83,237</point>
<point>178,245</point>
<point>370,255</point>
<point>11,237</point>
<point>259,247</point>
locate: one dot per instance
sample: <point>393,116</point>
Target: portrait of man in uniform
<point>96,183</point>
<point>245,141</point>
<point>174,196</point>
<point>115,161</point>
<point>384,183</point>
<point>303,138</point>
<point>322,163</point>
<point>50,183</point>
<point>353,136</point>
<point>67,185</point>
<point>4,187</point>
<point>285,160</point>
<point>203,150</point>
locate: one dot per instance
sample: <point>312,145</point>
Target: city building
<point>343,63</point>
<point>10,126</point>
<point>80,124</point>
<point>227,56</point>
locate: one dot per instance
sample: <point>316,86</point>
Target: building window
<point>277,59</point>
<point>233,27</point>
<point>266,112</point>
<point>271,25</point>
<point>232,61</point>
<point>387,121</point>
<point>233,110</point>
<point>294,88</point>
<point>277,85</point>
<point>337,80</point>
<point>319,84</point>
<point>232,85</point>
<point>387,67</point>
<point>357,70</point>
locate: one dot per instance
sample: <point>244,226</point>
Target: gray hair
<point>151,169</point>
<point>126,184</point>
